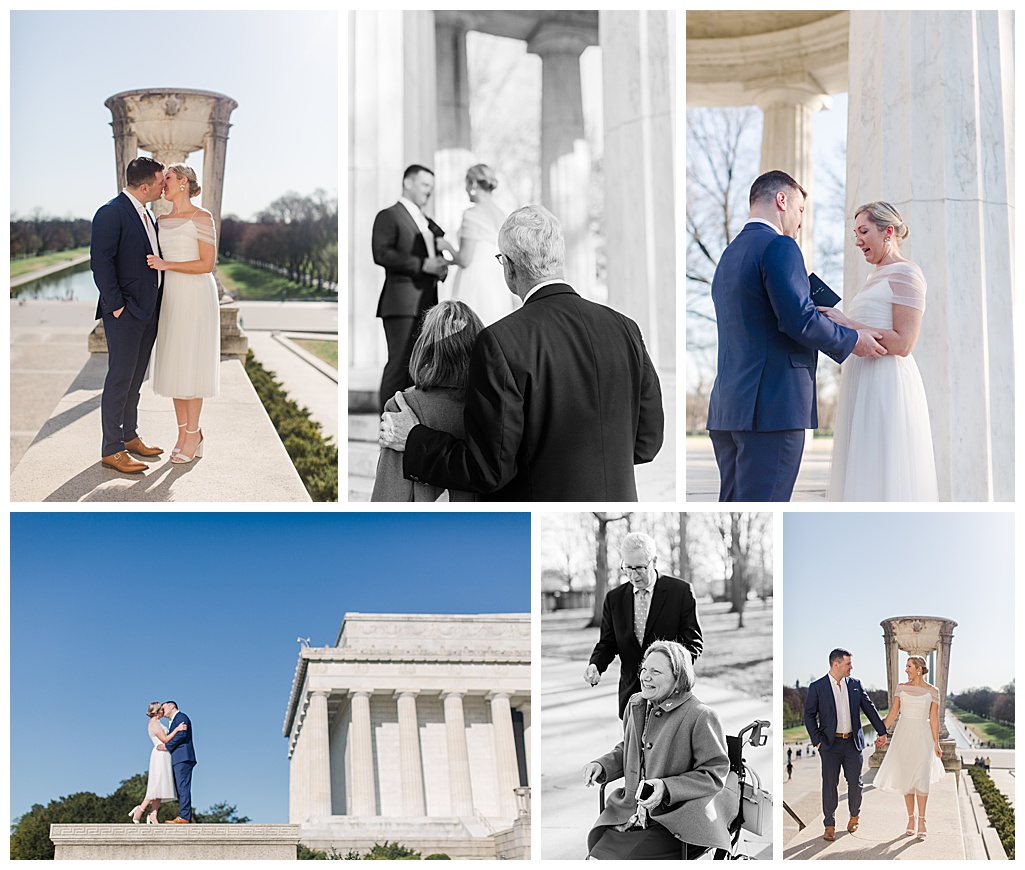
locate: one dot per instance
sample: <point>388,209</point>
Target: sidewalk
<point>703,474</point>
<point>883,821</point>
<point>579,724</point>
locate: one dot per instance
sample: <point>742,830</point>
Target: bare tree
<point>601,560</point>
<point>743,539</point>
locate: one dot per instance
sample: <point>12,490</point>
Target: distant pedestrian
<point>987,762</point>
<point>798,752</point>
<point>790,770</point>
<point>790,753</point>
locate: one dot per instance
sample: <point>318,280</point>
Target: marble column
<point>639,99</point>
<point>215,151</point>
<point>460,790</point>
<point>317,758</point>
<point>786,145</point>
<point>507,771</point>
<point>454,155</point>
<point>297,802</point>
<point>942,675</point>
<point>361,753</point>
<point>411,767</point>
<point>524,708</point>
<point>392,123</point>
<point>565,154</point>
<point>933,133</point>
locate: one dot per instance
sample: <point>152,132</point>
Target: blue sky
<point>843,573</point>
<point>281,68</point>
<point>110,611</point>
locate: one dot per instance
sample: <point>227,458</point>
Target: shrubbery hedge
<point>314,456</point>
<point>1000,812</point>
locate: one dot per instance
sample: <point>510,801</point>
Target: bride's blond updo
<point>919,662</point>
<point>153,709</point>
<point>187,173</point>
<point>884,215</point>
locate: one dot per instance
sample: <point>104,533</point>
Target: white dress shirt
<point>779,232</point>
<point>843,705</point>
<point>537,287</point>
<point>421,221</point>
<point>151,231</point>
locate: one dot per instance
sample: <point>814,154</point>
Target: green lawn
<point>252,283</point>
<point>323,350</point>
<point>984,729</point>
<point>31,264</point>
<point>799,734</point>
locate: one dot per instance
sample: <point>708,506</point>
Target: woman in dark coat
<point>678,789</point>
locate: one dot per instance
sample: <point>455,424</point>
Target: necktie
<point>150,231</point>
<point>640,614</point>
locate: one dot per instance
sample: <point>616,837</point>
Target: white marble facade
<point>412,728</point>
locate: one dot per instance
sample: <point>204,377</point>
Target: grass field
<point>322,350</point>
<point>984,729</point>
<point>31,264</point>
<point>799,734</point>
<point>251,283</point>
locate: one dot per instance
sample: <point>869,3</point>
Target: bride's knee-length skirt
<point>188,348</point>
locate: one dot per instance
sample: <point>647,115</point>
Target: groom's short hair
<point>414,169</point>
<point>142,169</point>
<point>172,703</point>
<point>768,184</point>
<point>838,654</point>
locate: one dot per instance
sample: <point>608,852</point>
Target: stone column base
<point>234,342</point>
<point>951,760</point>
<point>175,842</point>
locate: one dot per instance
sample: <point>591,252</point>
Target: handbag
<point>756,807</point>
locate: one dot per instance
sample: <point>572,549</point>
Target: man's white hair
<point>640,541</point>
<point>532,238</point>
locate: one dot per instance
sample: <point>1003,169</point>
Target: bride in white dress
<point>480,281</point>
<point>882,442</point>
<point>186,364</point>
<point>912,763</point>
<point>160,785</point>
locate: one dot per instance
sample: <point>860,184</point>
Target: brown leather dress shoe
<point>852,825</point>
<point>830,833</point>
<point>141,448</point>
<point>121,461</point>
<point>178,821</point>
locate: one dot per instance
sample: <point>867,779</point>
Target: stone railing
<point>175,842</point>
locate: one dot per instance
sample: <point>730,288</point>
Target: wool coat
<point>685,747</point>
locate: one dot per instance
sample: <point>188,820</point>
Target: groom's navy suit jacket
<point>820,712</point>
<point>769,335</point>
<point>180,746</point>
<point>117,257</point>
<point>399,246</point>
<point>562,401</point>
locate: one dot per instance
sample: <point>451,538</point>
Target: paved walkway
<point>703,475</point>
<point>579,723</point>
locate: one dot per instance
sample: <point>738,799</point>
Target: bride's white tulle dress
<point>188,348</point>
<point>161,778</point>
<point>910,765</point>
<point>481,285</point>
<point>882,441</point>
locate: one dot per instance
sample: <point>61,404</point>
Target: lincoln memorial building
<point>414,729</point>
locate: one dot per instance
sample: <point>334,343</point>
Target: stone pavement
<point>579,723</point>
<point>656,480</point>
<point>703,475</point>
<point>883,821</point>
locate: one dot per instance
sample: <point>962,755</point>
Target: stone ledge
<point>175,842</point>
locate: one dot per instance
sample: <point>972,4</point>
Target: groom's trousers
<point>843,753</point>
<point>757,466</point>
<point>129,343</point>
<point>183,780</point>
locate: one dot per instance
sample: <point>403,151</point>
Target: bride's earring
<point>182,187</point>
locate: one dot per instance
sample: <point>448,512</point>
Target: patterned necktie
<point>640,614</point>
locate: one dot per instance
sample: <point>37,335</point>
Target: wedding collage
<point>600,272</point>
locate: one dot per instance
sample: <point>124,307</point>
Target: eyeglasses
<point>635,569</point>
<point>502,258</point>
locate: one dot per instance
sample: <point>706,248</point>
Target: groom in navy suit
<point>123,233</point>
<point>403,243</point>
<point>183,759</point>
<point>832,715</point>
<point>769,334</point>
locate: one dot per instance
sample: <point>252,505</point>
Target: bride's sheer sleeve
<point>204,223</point>
<point>908,286</point>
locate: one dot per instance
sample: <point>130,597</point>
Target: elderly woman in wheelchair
<point>679,797</point>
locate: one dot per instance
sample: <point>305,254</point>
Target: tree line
<point>988,703</point>
<point>794,698</point>
<point>295,235</point>
<point>37,235</point>
<point>30,833</point>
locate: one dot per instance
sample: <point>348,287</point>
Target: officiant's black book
<point>821,294</point>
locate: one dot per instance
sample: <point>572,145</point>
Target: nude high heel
<point>181,457</point>
<point>921,833</point>
<point>175,451</point>
<point>151,819</point>
<point>911,825</point>
<point>135,818</point>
